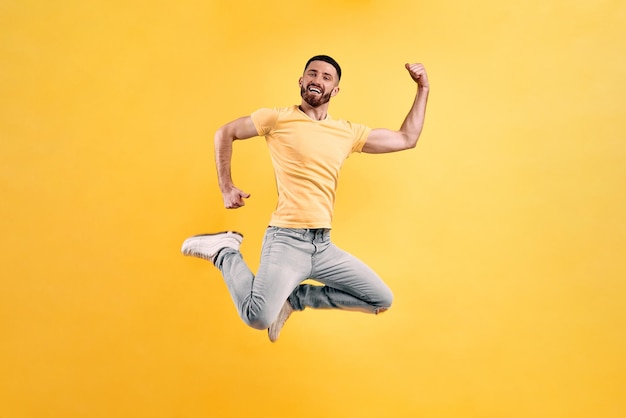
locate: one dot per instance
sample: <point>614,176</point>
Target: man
<point>307,149</point>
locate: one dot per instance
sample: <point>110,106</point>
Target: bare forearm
<point>241,128</point>
<point>223,157</point>
<point>414,122</point>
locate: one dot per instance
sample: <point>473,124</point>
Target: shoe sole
<point>217,233</point>
<point>189,250</point>
<point>273,332</point>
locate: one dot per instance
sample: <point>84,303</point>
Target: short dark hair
<point>327,59</point>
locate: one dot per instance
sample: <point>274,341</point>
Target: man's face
<point>319,83</point>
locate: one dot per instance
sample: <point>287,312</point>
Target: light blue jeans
<point>290,256</point>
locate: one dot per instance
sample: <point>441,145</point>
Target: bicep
<point>241,128</point>
<point>384,140</point>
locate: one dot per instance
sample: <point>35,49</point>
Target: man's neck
<point>316,113</point>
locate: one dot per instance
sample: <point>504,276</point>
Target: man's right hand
<point>233,198</point>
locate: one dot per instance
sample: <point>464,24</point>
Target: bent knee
<point>258,321</point>
<point>384,303</point>
<point>386,299</point>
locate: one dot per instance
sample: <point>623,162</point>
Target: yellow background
<point>502,235</point>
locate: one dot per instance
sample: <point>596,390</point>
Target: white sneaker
<point>274,330</point>
<point>206,246</point>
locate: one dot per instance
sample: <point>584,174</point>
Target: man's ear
<point>335,91</point>
<point>300,82</point>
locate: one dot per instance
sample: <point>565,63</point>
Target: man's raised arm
<point>385,140</point>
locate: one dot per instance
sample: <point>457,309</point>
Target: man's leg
<point>349,283</point>
<point>222,249</point>
<point>285,263</point>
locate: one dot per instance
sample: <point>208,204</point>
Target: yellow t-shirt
<point>307,155</point>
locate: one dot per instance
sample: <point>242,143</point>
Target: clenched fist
<point>418,74</point>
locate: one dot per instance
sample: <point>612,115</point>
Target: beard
<point>314,100</point>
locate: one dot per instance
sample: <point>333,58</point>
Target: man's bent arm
<point>242,128</point>
<point>385,140</point>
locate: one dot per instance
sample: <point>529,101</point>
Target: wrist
<point>226,187</point>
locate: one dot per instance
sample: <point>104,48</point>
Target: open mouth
<point>314,89</point>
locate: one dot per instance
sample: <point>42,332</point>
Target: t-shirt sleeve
<point>264,120</point>
<point>361,132</point>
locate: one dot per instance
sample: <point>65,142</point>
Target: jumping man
<point>308,148</point>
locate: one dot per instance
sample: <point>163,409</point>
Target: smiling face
<point>319,83</point>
